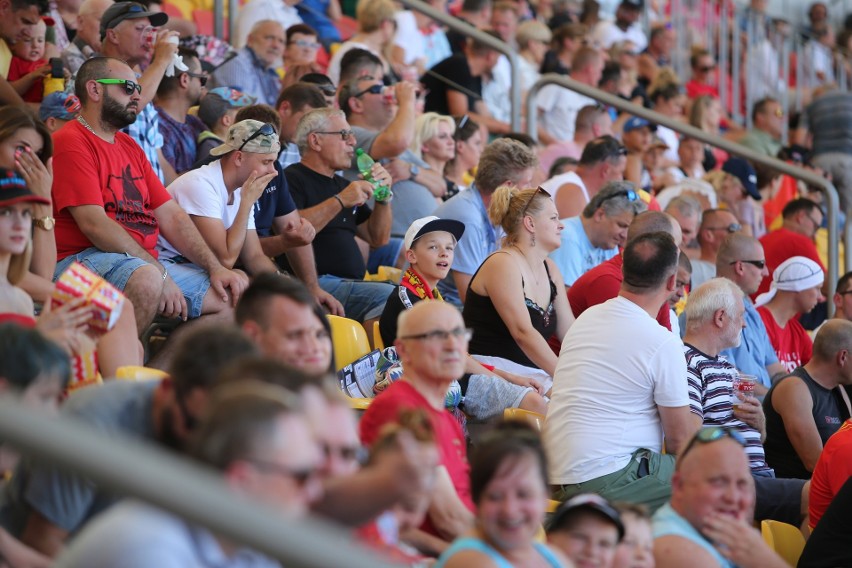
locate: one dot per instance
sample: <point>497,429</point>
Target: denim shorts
<point>114,267</point>
<point>361,300</point>
<point>192,280</point>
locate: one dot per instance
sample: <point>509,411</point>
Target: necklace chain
<point>82,121</point>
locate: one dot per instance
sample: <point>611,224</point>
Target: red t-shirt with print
<point>792,343</point>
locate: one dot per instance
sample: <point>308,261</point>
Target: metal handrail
<point>138,469</point>
<point>482,37</point>
<point>833,204</point>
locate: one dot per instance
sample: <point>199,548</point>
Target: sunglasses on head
<point>265,130</point>
<point>713,434</point>
<point>129,86</point>
<point>628,193</point>
<point>538,190</point>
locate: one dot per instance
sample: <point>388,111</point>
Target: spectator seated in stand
<point>603,160</point>
<point>587,529</point>
<point>252,71</point>
<point>218,111</point>
<point>716,225</point>
<point>87,42</point>
<point>593,121</point>
<point>833,469</point>
<point>636,549</point>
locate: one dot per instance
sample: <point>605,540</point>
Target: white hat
<point>429,225</point>
<point>793,275</point>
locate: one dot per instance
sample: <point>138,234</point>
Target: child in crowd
<point>636,549</point>
<point>29,67</point>
<point>587,529</point>
<point>218,111</point>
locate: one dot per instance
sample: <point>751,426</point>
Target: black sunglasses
<point>129,86</point>
<point>760,264</point>
<point>265,130</point>
<point>538,190</point>
<point>202,78</point>
<point>372,89</point>
<point>713,434</point>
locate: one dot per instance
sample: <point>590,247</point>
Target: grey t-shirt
<point>66,500</point>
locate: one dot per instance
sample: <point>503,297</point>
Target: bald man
<point>806,407</point>
<point>708,522</point>
<point>716,224</point>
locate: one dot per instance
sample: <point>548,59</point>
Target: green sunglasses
<point>129,86</point>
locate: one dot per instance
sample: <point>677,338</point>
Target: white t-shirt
<point>496,92</point>
<point>558,108</point>
<point>616,366</point>
<point>606,33</point>
<point>552,185</point>
<point>702,271</point>
<point>257,10</point>
<point>202,192</point>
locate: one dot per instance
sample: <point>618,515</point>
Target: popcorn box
<point>80,282</point>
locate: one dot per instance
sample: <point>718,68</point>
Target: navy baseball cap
<point>743,171</point>
<point>635,122</point>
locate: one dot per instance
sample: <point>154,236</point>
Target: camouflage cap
<point>249,136</point>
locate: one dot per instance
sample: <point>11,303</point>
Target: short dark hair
<point>477,47</point>
<point>611,72</point>
<point>253,305</point>
<point>760,107</point>
<point>602,149</point>
<point>797,205</point>
<point>667,90</point>
<point>91,70</point>
<point>843,282</point>
<point>25,355</point>
<point>201,354</point>
<point>649,260</point>
<point>299,95</point>
<point>475,5</point>
<point>348,91</point>
<point>354,61</point>
<point>303,29</point>
<point>43,6</point>
<point>169,85</point>
<point>512,439</point>
<point>259,112</point>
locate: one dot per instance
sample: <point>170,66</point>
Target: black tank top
<point>491,337</point>
<point>829,413</point>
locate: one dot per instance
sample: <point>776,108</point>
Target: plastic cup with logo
<point>743,385</point>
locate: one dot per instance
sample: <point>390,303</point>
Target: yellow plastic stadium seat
<point>533,418</point>
<point>552,505</point>
<point>349,340</point>
<point>785,539</point>
<point>377,336</point>
<point>360,403</point>
<point>390,274</point>
<point>138,373</point>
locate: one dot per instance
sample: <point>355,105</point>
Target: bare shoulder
<point>467,558</point>
<point>671,551</point>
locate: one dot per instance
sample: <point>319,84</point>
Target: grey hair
<point>686,205</point>
<point>612,203</point>
<point>715,294</point>
<point>313,121</point>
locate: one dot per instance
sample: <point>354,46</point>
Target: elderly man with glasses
<point>252,71</point>
<point>338,211</point>
<point>716,224</point>
<point>432,345</point>
<point>708,522</point>
<point>111,208</point>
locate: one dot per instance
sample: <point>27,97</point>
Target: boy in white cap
<point>429,247</point>
<point>795,290</point>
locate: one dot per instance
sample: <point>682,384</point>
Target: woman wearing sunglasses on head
<point>514,302</point>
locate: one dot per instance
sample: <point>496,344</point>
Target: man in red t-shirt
<point>432,345</point>
<point>802,217</point>
<point>110,208</point>
<point>795,290</point>
<point>603,282</point>
<point>832,470</point>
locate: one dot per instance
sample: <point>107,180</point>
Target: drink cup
<point>744,385</point>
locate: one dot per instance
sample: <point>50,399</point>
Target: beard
<point>117,115</point>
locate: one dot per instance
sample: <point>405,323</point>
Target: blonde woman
<point>434,141</point>
<point>514,302</point>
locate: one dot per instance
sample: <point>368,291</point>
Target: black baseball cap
<point>13,189</point>
<point>586,502</point>
<point>121,11</point>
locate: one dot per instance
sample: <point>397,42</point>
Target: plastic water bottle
<point>365,165</point>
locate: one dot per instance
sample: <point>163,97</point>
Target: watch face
<point>45,223</point>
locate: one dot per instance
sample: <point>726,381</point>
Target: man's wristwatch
<point>45,223</point>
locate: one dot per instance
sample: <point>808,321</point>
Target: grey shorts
<point>490,396</point>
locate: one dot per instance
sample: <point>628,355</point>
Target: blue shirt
<point>755,352</point>
<point>248,74</point>
<point>666,522</point>
<point>146,132</point>
<point>479,240</point>
<point>577,255</point>
<point>275,201</point>
<point>179,140</point>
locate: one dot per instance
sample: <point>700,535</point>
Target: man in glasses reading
<point>111,208</point>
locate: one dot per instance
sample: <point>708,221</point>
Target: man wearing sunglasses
<point>714,321</point>
<point>741,260</point>
<point>111,208</point>
<point>175,96</point>
<point>49,503</point>
<point>258,439</point>
<point>716,224</point>
<point>708,522</point>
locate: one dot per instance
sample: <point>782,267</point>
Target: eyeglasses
<point>300,476</point>
<point>760,264</point>
<point>372,89</point>
<point>202,78</point>
<point>817,224</point>
<point>305,43</point>
<point>265,130</point>
<point>732,228</point>
<point>442,335</point>
<point>344,134</point>
<point>713,434</point>
<point>129,86</point>
<point>538,190</point>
